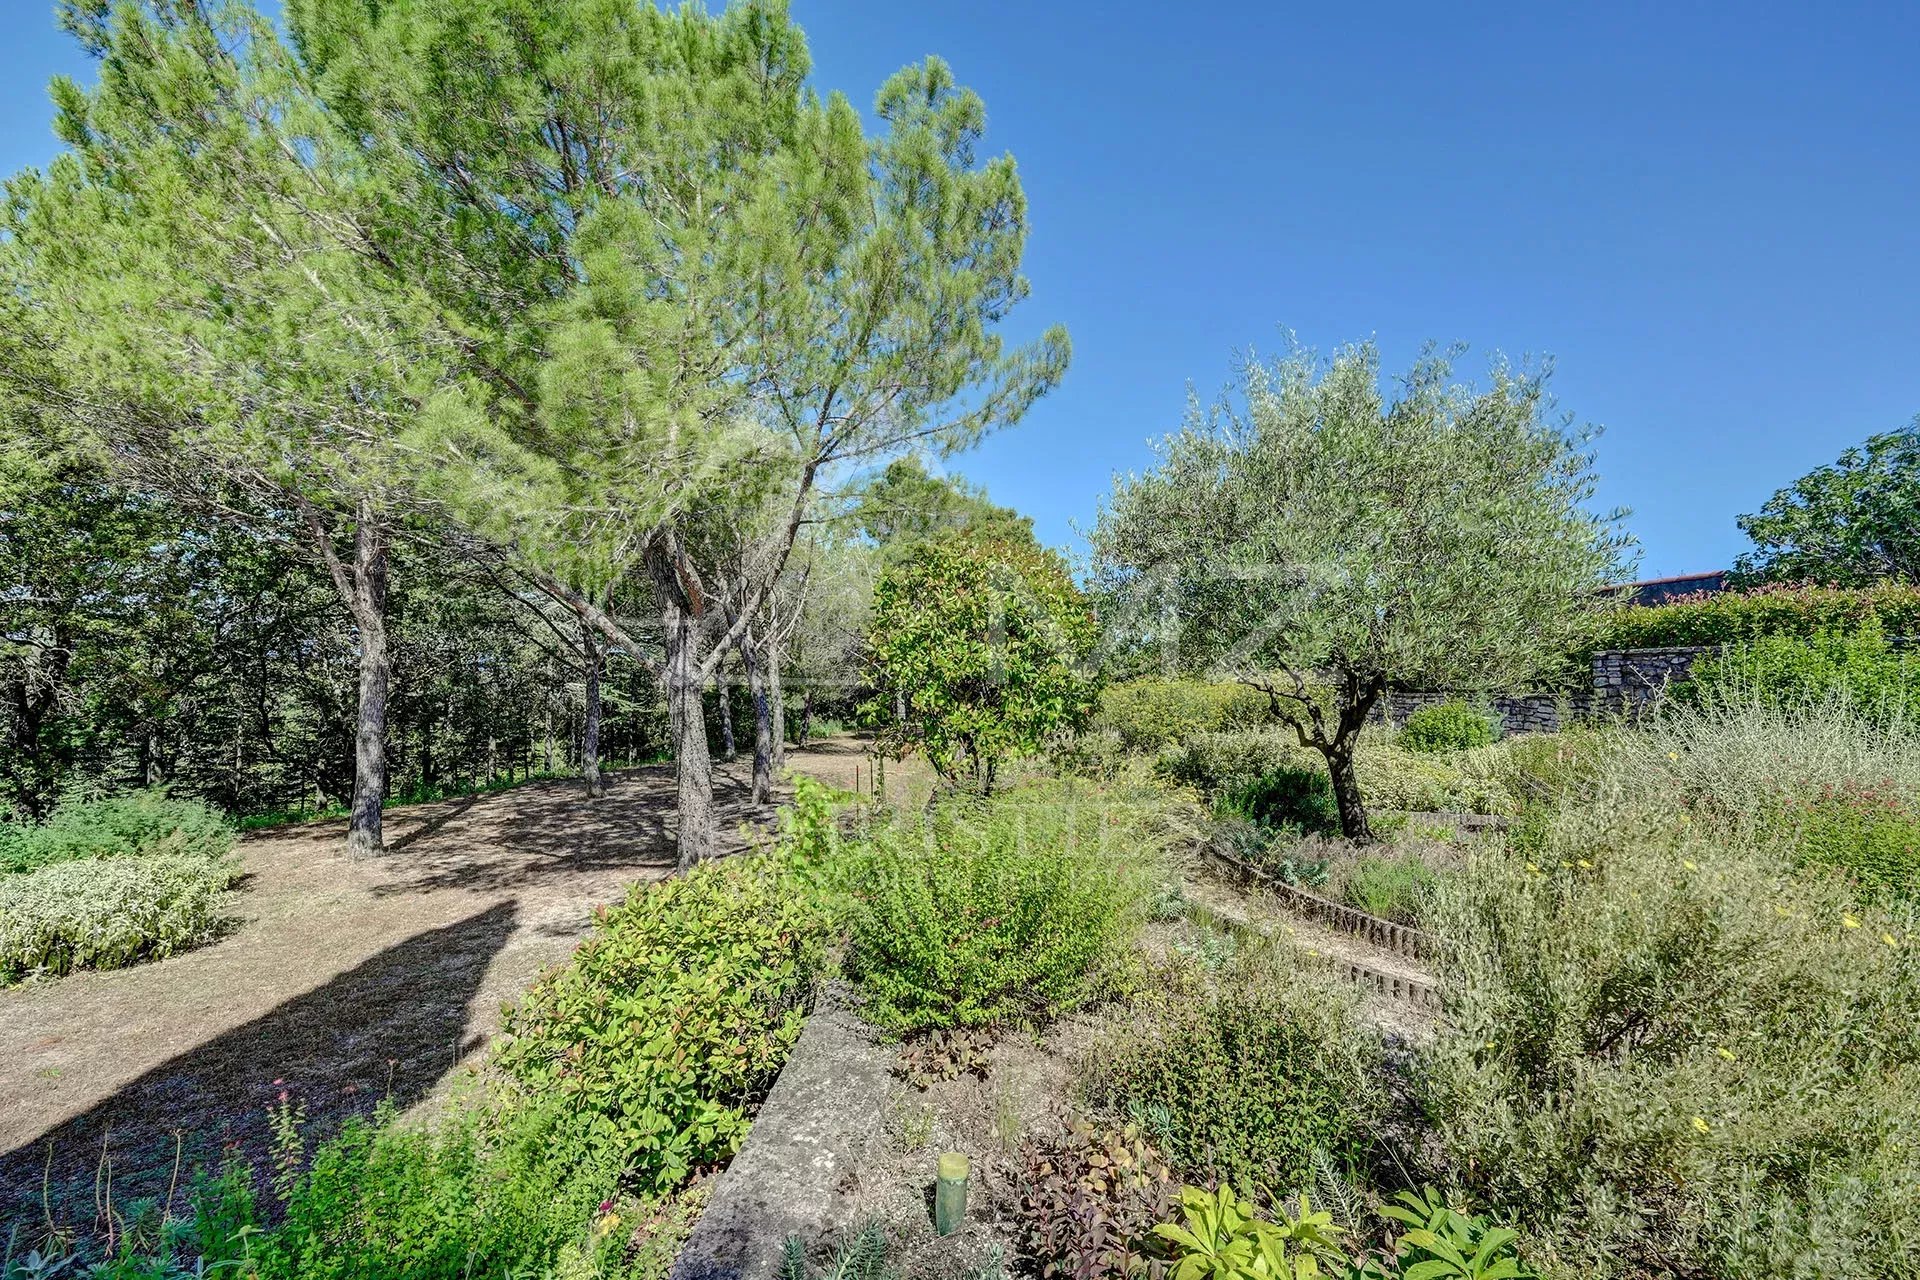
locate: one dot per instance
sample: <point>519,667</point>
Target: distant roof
<point>1661,590</point>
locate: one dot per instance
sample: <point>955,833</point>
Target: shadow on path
<point>389,1027</point>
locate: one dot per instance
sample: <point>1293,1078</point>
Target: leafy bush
<point>471,1196</point>
<point>1442,1243</point>
<point>1393,888</point>
<point>1244,1080</point>
<point>1212,763</point>
<point>1734,617</point>
<point>1003,910</point>
<point>1859,666</point>
<point>1154,712</point>
<point>1669,1050</point>
<point>1450,726</point>
<point>138,822</point>
<point>1287,798</point>
<point>1392,777</point>
<point>1869,832</point>
<point>1223,1237</point>
<point>106,915</point>
<point>1088,1200</point>
<point>986,645</point>
<point>674,1015</point>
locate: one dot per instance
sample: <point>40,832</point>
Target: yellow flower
<point>1700,1124</point>
<point>1533,868</point>
<point>1674,756</point>
<point>1585,865</point>
<point>1725,1052</point>
<point>1848,920</point>
<point>1783,913</point>
<point>1689,864</point>
<point>1565,863</point>
<point>1889,939</point>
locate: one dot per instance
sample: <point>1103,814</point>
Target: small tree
<point>1849,524</point>
<point>988,646</point>
<point>1320,543</point>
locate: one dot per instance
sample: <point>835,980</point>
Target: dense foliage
<point>1854,522</point>
<point>986,648</point>
<point>1009,910</point>
<point>109,914</point>
<point>130,823</point>
<point>1450,726</point>
<point>1664,1044</point>
<point>1153,711</point>
<point>1242,1079</point>
<point>678,1010</point>
<point>1859,667</point>
<point>1729,617</point>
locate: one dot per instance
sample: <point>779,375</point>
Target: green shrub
<point>1215,762</point>
<point>1665,1047</point>
<point>1392,777</point>
<point>1733,617</point>
<point>473,1195</point>
<point>1154,712</point>
<point>106,915</point>
<point>1858,666</point>
<point>1244,1080</point>
<point>1393,888</point>
<point>674,1015</point>
<point>1006,910</point>
<point>1869,832</point>
<point>1450,726</point>
<point>139,822</point>
<point>1286,798</point>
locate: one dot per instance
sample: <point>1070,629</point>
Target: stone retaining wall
<point>1623,682</point>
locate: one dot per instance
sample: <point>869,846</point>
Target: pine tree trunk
<point>762,721</point>
<point>777,697</point>
<point>369,605</point>
<point>693,769</point>
<point>724,695</point>
<point>594,654</point>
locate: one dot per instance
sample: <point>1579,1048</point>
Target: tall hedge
<point>1730,617</point>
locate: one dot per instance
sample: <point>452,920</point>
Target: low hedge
<point>108,914</point>
<point>675,1015</point>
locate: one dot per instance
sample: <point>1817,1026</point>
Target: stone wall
<point>1623,682</point>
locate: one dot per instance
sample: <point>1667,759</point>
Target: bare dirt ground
<point>340,983</point>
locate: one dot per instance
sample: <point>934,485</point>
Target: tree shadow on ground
<point>554,829</point>
<point>390,1027</point>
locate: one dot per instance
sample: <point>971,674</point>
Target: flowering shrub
<point>1664,1047</point>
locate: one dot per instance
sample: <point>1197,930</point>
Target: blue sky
<point>1709,218</point>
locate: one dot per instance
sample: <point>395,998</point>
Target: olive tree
<point>1320,541</point>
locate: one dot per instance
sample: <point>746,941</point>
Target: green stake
<point>950,1194</point>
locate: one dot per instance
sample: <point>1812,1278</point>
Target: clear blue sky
<point>1711,221</point>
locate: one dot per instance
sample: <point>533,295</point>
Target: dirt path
<point>1265,913</point>
<point>341,983</point>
